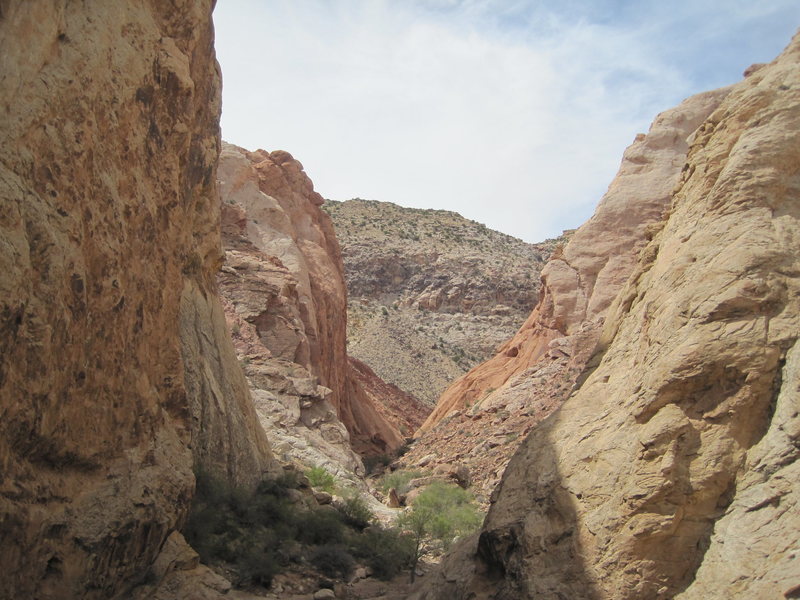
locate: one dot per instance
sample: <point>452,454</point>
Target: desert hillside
<point>430,293</point>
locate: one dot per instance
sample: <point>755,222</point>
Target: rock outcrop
<point>286,303</point>
<point>431,294</point>
<point>535,371</point>
<point>672,471</point>
<point>116,374</point>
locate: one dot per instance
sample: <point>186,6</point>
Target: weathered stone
<point>175,555</point>
<point>394,499</point>
<point>322,497</point>
<point>110,244</point>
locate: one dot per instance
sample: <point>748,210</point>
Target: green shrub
<point>355,512</point>
<point>321,526</point>
<point>441,513</point>
<point>398,480</point>
<point>287,480</point>
<point>257,565</point>
<point>371,463</point>
<point>253,535</point>
<point>229,525</point>
<point>386,551</point>
<point>321,479</point>
<point>332,560</point>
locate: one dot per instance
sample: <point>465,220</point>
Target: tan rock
<point>323,497</point>
<point>672,471</point>
<point>394,499</point>
<point>404,412</point>
<point>109,233</point>
<point>176,555</point>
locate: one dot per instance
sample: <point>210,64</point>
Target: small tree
<point>441,513</point>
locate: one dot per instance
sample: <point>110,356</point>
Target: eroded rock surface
<point>116,375</point>
<point>672,470</point>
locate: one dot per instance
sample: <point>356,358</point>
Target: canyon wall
<point>283,286</point>
<point>537,369</point>
<point>116,373</point>
<point>672,470</point>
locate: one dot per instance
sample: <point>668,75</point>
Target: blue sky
<point>514,113</point>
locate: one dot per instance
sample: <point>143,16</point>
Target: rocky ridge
<point>537,369</point>
<point>671,471</point>
<point>117,376</point>
<point>284,296</point>
<point>431,293</point>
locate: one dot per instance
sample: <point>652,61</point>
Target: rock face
<point>286,302</point>
<point>402,410</point>
<point>116,376</point>
<point>431,293</point>
<point>536,370</point>
<point>672,471</point>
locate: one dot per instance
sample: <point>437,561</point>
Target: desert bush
<point>398,480</point>
<point>321,526</point>
<point>230,525</point>
<point>385,551</point>
<point>454,511</point>
<point>371,463</point>
<point>332,560</point>
<point>441,513</point>
<point>355,512</point>
<point>320,478</point>
<point>257,565</point>
<point>253,535</point>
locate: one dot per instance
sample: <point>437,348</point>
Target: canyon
<point>173,306</point>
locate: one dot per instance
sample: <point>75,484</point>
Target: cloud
<point>513,113</point>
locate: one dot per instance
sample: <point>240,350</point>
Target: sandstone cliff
<point>536,369</point>
<point>431,294</point>
<point>286,301</point>
<point>672,471</point>
<point>116,374</point>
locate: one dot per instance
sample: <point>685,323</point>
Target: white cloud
<point>512,113</point>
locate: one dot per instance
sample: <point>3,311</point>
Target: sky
<point>514,113</point>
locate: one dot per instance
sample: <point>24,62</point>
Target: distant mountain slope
<point>431,294</point>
